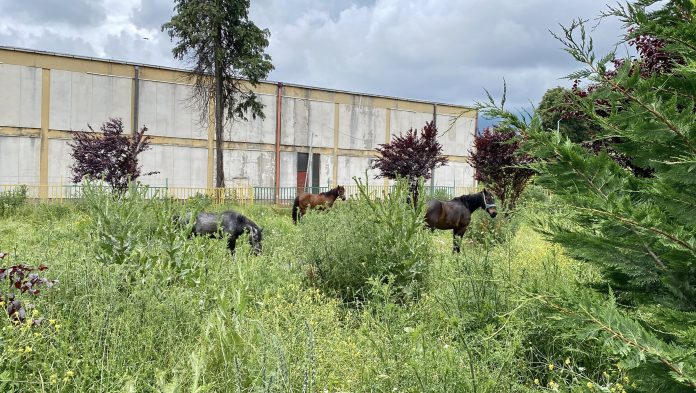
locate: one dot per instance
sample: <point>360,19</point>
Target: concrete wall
<point>457,138</point>
<point>403,120</point>
<point>248,167</point>
<point>19,160</point>
<point>361,126</point>
<point>178,166</point>
<point>355,166</point>
<point>45,97</point>
<point>59,157</point>
<point>456,174</point>
<point>20,101</point>
<point>288,169</point>
<point>79,99</point>
<point>307,123</point>
<point>166,109</point>
<point>256,130</point>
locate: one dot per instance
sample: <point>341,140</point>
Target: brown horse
<point>324,199</point>
<point>456,214</point>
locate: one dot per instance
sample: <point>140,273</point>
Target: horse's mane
<point>241,219</point>
<point>472,201</point>
<point>332,192</point>
<point>247,223</point>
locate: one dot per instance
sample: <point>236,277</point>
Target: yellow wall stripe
<point>45,111</point>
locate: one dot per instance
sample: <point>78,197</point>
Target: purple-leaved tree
<point>500,165</point>
<point>411,155</point>
<point>109,155</point>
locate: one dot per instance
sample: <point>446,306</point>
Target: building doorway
<point>308,180</point>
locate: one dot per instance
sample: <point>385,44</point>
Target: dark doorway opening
<point>305,184</point>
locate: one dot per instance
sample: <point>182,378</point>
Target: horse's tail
<point>295,208</point>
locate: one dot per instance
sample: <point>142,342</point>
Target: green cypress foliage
<point>639,230</point>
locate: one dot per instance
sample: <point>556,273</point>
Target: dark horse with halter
<point>324,199</point>
<point>229,222</point>
<point>456,214</point>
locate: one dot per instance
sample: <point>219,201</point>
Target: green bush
<point>365,239</point>
<point>12,199</point>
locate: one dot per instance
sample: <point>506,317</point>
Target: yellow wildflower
<point>590,385</point>
<point>57,327</point>
<point>27,349</point>
<point>54,379</point>
<point>69,373</point>
<point>35,313</point>
<point>52,321</point>
<point>536,381</point>
<point>567,361</point>
<point>550,367</point>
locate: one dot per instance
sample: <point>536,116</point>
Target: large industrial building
<point>310,136</point>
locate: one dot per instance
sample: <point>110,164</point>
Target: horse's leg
<point>231,243</point>
<point>457,236</point>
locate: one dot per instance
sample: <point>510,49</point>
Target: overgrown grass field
<point>360,298</point>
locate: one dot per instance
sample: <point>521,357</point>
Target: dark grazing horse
<point>456,214</point>
<point>324,200</point>
<point>229,222</point>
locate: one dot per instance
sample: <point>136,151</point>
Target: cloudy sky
<point>434,50</point>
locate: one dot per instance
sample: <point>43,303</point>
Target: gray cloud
<point>266,11</point>
<point>133,47</point>
<point>434,50</point>
<point>72,12</point>
<point>428,49</point>
<point>151,14</point>
<point>47,41</point>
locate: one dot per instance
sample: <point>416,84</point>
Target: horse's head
<point>489,203</point>
<point>183,220</point>
<point>341,192</point>
<point>255,237</point>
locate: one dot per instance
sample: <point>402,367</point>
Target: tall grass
<point>142,307</point>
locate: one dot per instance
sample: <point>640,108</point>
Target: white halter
<point>488,205</point>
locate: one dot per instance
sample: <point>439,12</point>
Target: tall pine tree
<point>226,50</point>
